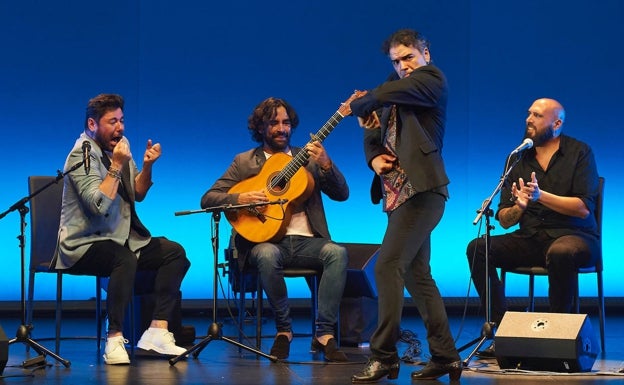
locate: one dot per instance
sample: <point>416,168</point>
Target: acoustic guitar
<point>285,182</point>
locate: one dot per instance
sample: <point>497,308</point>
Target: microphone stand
<point>487,330</point>
<point>23,331</point>
<point>214,330</point>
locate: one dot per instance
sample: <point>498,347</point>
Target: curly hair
<point>101,104</point>
<point>264,113</point>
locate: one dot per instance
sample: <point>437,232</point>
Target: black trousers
<point>562,256</point>
<point>403,262</point>
<point>165,258</point>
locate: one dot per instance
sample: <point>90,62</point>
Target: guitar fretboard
<point>301,158</point>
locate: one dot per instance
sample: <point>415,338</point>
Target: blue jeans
<point>304,252</point>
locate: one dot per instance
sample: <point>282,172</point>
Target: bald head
<point>553,107</point>
<point>544,121</point>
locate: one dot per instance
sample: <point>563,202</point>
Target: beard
<point>277,145</point>
<point>104,144</point>
<point>543,136</point>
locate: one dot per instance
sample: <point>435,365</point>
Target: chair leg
<point>531,292</point>
<point>29,303</point>
<point>31,291</point>
<point>259,305</point>
<point>98,313</point>
<point>241,309</point>
<point>58,311</point>
<point>577,298</point>
<point>601,310</point>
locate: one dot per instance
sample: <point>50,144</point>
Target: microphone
<point>261,217</point>
<point>526,144</point>
<point>258,214</point>
<point>86,156</point>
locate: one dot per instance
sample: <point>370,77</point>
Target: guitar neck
<point>300,159</point>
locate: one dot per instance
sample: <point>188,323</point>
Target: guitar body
<point>276,217</point>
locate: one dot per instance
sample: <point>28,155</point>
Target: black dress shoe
<point>376,370</point>
<point>281,347</point>
<point>434,370</point>
<point>330,350</point>
<point>487,353</point>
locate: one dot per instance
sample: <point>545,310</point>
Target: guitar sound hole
<point>278,185</point>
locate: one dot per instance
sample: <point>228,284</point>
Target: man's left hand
<point>152,152</point>
<point>317,152</point>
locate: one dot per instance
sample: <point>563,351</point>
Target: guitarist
<point>307,241</point>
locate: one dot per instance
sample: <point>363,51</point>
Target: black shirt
<point>571,172</point>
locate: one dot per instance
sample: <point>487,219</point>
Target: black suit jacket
<point>421,101</point>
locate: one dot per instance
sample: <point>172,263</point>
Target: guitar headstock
<point>345,107</point>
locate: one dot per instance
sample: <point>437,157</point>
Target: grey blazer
<point>87,215</point>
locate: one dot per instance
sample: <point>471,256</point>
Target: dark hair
<point>264,112</point>
<point>407,37</point>
<point>101,104</point>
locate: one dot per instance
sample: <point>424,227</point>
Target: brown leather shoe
<point>376,370</point>
<point>434,370</point>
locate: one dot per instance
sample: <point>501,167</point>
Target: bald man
<point>551,194</point>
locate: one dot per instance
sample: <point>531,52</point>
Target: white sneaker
<point>160,341</point>
<point>115,351</point>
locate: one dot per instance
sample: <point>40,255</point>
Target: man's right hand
<point>383,163</point>
<point>121,154</point>
<point>253,197</point>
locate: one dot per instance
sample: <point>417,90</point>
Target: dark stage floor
<point>221,363</point>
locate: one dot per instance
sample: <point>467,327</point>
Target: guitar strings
<point>298,160</point>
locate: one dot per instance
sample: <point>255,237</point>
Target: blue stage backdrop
<point>191,72</point>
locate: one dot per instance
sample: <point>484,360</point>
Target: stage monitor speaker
<point>358,308</point>
<point>552,342</point>
<point>360,270</point>
<point>4,350</point>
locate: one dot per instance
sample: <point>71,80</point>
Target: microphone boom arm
<point>230,207</point>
